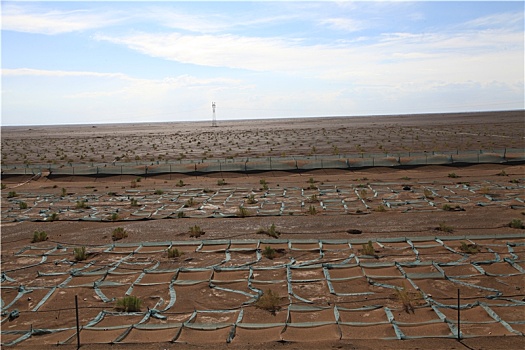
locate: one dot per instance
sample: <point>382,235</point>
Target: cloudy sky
<point>102,62</point>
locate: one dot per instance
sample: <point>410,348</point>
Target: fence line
<point>288,163</point>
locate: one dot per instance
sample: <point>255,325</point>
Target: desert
<point>358,255</point>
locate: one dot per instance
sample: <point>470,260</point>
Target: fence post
<point>78,325</point>
<point>459,314</point>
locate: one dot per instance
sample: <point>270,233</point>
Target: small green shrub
<point>269,252</point>
<point>453,175</point>
<point>428,193</point>
<point>196,231</point>
<point>221,182</point>
<point>180,214</point>
<point>312,210</point>
<point>269,301</point>
<point>113,217</point>
<point>134,202</point>
<point>12,194</point>
<point>39,236</point>
<point>242,212</point>
<point>270,231</point>
<point>81,205</point>
<point>251,199</point>
<point>80,253</point>
<point>380,208</point>
<point>159,192</point>
<point>190,202</point>
<point>64,192</point>
<point>313,199</point>
<point>407,299</point>
<point>264,184</point>
<point>22,205</point>
<point>180,183</point>
<point>368,249</point>
<point>4,186</point>
<point>129,304</point>
<point>53,217</point>
<point>174,253</point>
<point>119,233</point>
<point>445,228</point>
<point>502,173</point>
<point>469,248</point>
<point>446,207</point>
<point>516,223</point>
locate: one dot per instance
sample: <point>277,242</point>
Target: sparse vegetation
<point>80,253</point>
<point>269,252</point>
<point>12,194</point>
<point>312,210</point>
<point>502,173</point>
<point>406,298</point>
<point>428,193</point>
<point>174,253</point>
<point>380,208</point>
<point>113,217</point>
<point>251,199</point>
<point>22,205</point>
<point>445,228</point>
<point>63,192</point>
<point>312,199</point>
<point>368,249</point>
<point>190,202</point>
<point>221,182</point>
<point>179,184</point>
<point>134,202</point>
<point>469,248</point>
<point>516,223</point>
<point>4,186</point>
<point>196,231</point>
<point>53,217</point>
<point>180,214</point>
<point>264,184</point>
<point>159,192</point>
<point>119,233</point>
<point>39,236</point>
<point>129,303</point>
<point>242,212</point>
<point>453,176</point>
<point>270,231</point>
<point>269,301</point>
<point>81,205</point>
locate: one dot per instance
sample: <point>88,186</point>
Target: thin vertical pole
<point>78,325</point>
<point>459,321</point>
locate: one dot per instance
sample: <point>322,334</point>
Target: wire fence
<point>288,163</point>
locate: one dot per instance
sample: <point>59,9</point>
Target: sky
<point>70,62</point>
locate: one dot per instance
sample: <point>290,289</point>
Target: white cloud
<point>344,24</point>
<point>59,73</point>
<point>21,19</point>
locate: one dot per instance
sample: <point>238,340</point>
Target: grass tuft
<point>269,301</point>
<point>196,231</point>
<point>39,236</point>
<point>80,253</point>
<point>129,304</point>
<point>119,233</point>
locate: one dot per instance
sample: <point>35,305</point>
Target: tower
<point>214,120</point>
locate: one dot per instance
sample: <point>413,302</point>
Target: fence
<point>290,163</point>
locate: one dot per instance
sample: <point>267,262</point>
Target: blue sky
<point>114,62</point>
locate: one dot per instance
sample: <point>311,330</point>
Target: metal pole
<point>78,325</point>
<point>459,321</point>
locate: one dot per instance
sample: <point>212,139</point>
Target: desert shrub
<point>113,217</point>
<point>469,248</point>
<point>159,192</point>
<point>380,208</point>
<point>502,173</point>
<point>196,231</point>
<point>269,301</point>
<point>516,223</point>
<point>242,212</point>
<point>445,228</point>
<point>134,202</point>
<point>270,231</point>
<point>453,175</point>
<point>133,183</point>
<point>22,205</point>
<point>312,210</point>
<point>80,253</point>
<point>428,193</point>
<point>269,252</point>
<point>39,236</point>
<point>264,184</point>
<point>446,207</point>
<point>180,214</point>
<point>53,217</point>
<point>129,304</point>
<point>190,202</point>
<point>12,194</point>
<point>174,253</point>
<point>312,199</point>
<point>119,233</point>
<point>368,249</point>
<point>81,205</point>
<point>180,183</point>
<point>4,186</point>
<point>221,182</point>
<point>406,298</point>
<point>63,192</point>
<point>251,199</point>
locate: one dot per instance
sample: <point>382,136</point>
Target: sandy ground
<point>501,182</point>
